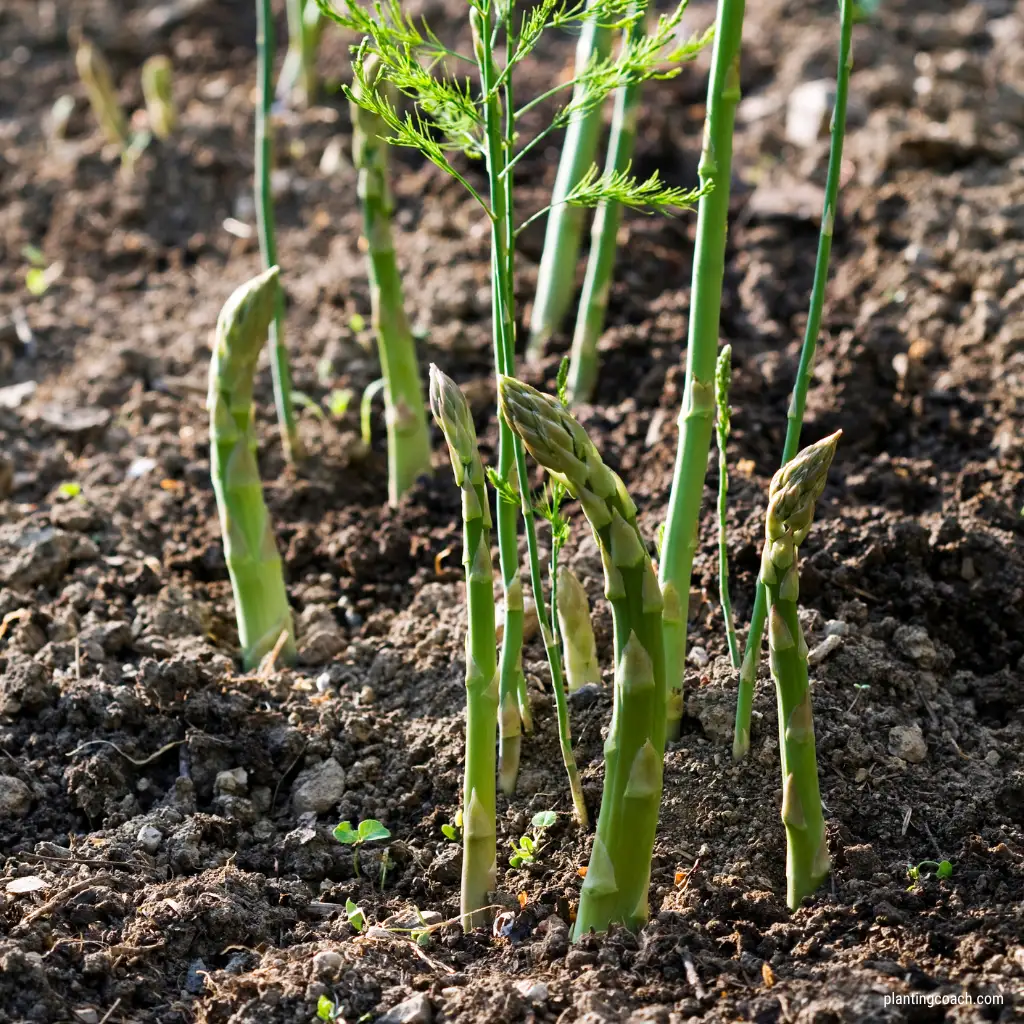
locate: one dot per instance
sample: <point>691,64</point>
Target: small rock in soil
<point>327,964</point>
<point>907,743</point>
<point>821,651</point>
<point>25,686</point>
<point>809,110</point>
<point>150,838</point>
<point>862,860</point>
<point>446,867</point>
<point>416,1010</point>
<point>698,657</point>
<point>231,783</point>
<point>15,797</point>
<point>914,643</point>
<point>319,788</point>
<point>585,696</point>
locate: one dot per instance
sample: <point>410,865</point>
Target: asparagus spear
<point>795,419</point>
<point>723,378</point>
<point>156,88</point>
<point>405,413</point>
<point>794,490</point>
<point>581,665</point>
<point>618,877</point>
<point>479,857</point>
<point>254,564</point>
<point>94,72</point>
<point>697,413</point>
<point>298,73</point>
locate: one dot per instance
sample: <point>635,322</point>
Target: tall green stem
<point>265,226</point>
<point>405,412</point>
<point>298,74</point>
<point>597,284</point>
<point>556,277</point>
<point>697,414</point>
<point>723,378</point>
<point>250,550</point>
<point>618,877</point>
<point>794,490</point>
<point>795,418</point>
<point>479,858</point>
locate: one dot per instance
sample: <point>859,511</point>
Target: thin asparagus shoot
<point>556,277</point>
<point>279,367</point>
<point>479,857</point>
<point>597,283</point>
<point>615,890</point>
<point>723,379</point>
<point>404,408</point>
<point>96,76</point>
<point>805,371</point>
<point>697,413</point>
<point>253,560</point>
<point>794,490</point>
<point>581,665</point>
<point>156,88</point>
<point>298,73</point>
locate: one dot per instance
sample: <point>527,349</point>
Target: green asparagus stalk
<point>479,857</point>
<point>265,226</point>
<point>597,283</point>
<point>557,274</point>
<point>697,413</point>
<point>405,412</point>
<point>795,419</point>
<point>156,88</point>
<point>95,74</point>
<point>618,876</point>
<point>298,73</point>
<point>581,666</point>
<point>723,379</point>
<point>794,490</point>
<point>253,560</point>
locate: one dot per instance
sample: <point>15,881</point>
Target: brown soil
<point>167,894</point>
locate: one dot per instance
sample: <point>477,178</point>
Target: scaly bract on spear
<point>479,855</point>
<point>794,490</point>
<point>250,550</point>
<point>615,890</point>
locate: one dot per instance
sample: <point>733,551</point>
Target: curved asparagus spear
<point>581,665</point>
<point>405,413</point>
<point>752,652</point>
<point>479,857</point>
<point>254,564</point>
<point>618,877</point>
<point>95,73</point>
<point>156,88</point>
<point>794,490</point>
<point>723,379</point>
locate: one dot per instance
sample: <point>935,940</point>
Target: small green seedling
<point>453,829</point>
<point>327,1009</point>
<point>301,398</point>
<point>369,831</point>
<point>357,323</point>
<point>70,489</point>
<point>338,401</point>
<point>942,869</point>
<point>527,848</point>
<point>366,407</point>
<point>40,274</point>
<point>355,915</point>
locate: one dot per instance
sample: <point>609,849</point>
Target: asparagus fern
<point>697,413</point>
<point>479,857</point>
<point>253,560</point>
<point>795,419</point>
<point>794,491</point>
<point>616,887</point>
<point>405,411</point>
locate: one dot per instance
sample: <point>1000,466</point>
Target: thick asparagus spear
<point>405,412</point>
<point>156,88</point>
<point>479,857</point>
<point>254,564</point>
<point>618,877</point>
<point>794,490</point>
<point>581,665</point>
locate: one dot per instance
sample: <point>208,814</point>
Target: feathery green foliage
<point>752,652</point>
<point>618,877</point>
<point>250,551</point>
<point>794,491</point>
<point>451,412</point>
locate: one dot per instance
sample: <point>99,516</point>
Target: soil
<point>166,819</point>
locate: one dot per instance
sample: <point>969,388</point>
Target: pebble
<point>533,991</point>
<point>907,743</point>
<point>914,643</point>
<point>327,964</point>
<point>318,789</point>
<point>416,1010</point>
<point>821,651</point>
<point>698,657</point>
<point>836,627</point>
<point>150,838</point>
<point>585,696</point>
<point>366,695</point>
<point>324,683</point>
<point>234,782</point>
<point>15,797</point>
<point>809,110</point>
